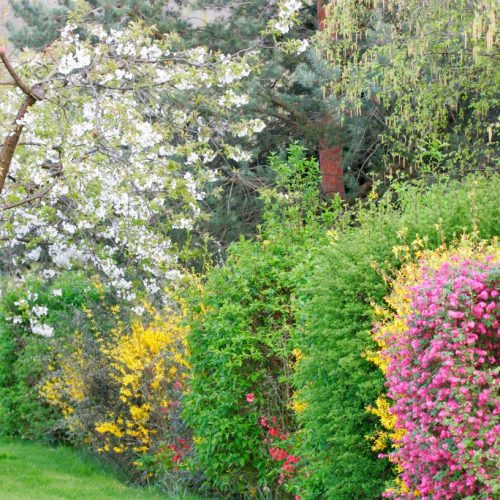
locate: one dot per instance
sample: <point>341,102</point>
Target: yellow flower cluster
<point>66,392</point>
<point>296,404</point>
<point>144,368</point>
<point>145,364</point>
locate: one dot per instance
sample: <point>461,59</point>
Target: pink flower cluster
<point>443,379</point>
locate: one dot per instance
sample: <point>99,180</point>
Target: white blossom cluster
<point>125,142</point>
<point>287,16</point>
<point>29,312</point>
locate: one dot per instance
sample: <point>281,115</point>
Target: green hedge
<point>334,379</point>
<point>242,322</point>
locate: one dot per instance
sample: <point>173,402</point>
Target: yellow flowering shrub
<point>121,391</point>
<point>70,391</point>
<point>150,369</point>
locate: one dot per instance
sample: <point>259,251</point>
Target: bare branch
<point>13,73</point>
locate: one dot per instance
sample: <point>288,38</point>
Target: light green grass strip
<point>30,471</point>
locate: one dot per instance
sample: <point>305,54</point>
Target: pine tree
<point>41,21</point>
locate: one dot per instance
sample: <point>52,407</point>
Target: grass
<point>29,470</point>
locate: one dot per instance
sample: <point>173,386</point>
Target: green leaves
<point>242,335</point>
<point>334,379</point>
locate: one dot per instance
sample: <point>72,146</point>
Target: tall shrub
<point>242,352</point>
<point>120,392</point>
<point>442,374</point>
<point>336,383</point>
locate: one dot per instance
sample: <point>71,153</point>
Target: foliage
<point>423,74</point>
<point>441,371</point>
<point>35,316</point>
<point>41,24</point>
<point>336,383</point>
<point>242,355</point>
<point>120,393</point>
<point>275,33</point>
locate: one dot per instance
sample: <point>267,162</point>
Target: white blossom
<point>34,254</point>
<point>40,311</point>
<point>304,44</point>
<point>42,329</point>
<point>125,154</point>
<point>70,62</point>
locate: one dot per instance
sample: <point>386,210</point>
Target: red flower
<point>250,397</point>
<point>274,432</point>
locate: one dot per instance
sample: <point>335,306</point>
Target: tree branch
<point>29,199</point>
<point>13,73</point>
<point>12,139</point>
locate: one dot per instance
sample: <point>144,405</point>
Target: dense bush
<point>336,382</point>
<point>242,354</point>
<point>120,392</point>
<point>442,374</point>
<point>35,316</point>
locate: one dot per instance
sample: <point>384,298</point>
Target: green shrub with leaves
<point>36,316</point>
<point>335,382</point>
<point>242,318</point>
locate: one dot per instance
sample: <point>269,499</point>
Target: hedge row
<point>287,322</point>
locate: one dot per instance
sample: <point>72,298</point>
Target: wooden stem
<point>12,139</point>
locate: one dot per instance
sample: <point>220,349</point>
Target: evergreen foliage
<point>41,22</point>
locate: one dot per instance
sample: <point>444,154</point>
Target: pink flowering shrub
<point>443,379</point>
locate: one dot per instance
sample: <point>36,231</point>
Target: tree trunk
<point>330,157</point>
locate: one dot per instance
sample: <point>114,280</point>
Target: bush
<point>440,358</point>
<point>336,382</point>
<point>35,316</point>
<point>240,406</point>
<point>120,392</point>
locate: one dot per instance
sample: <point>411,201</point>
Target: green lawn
<point>30,471</point>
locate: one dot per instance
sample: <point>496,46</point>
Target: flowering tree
<point>121,134</point>
<point>285,93</point>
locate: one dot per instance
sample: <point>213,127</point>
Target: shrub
<point>240,406</point>
<point>336,383</point>
<point>35,316</point>
<point>442,374</point>
<point>120,393</point>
